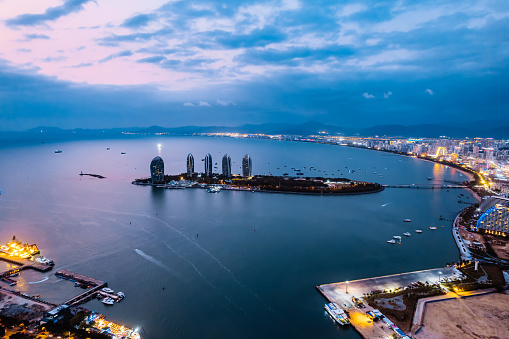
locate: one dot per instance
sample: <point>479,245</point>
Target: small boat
<point>215,189</point>
<point>397,237</point>
<point>430,178</point>
<point>418,231</point>
<point>58,151</point>
<point>392,241</point>
<point>107,290</point>
<point>433,228</point>
<point>337,313</point>
<point>107,148</point>
<point>121,294</point>
<point>122,152</point>
<point>407,234</point>
<point>108,301</point>
<point>407,220</point>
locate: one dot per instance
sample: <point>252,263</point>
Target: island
<point>265,183</point>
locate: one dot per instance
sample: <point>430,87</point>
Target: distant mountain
<point>480,129</point>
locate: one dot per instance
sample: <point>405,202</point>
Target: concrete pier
<point>22,264</point>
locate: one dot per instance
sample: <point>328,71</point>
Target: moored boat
<point>392,241</point>
<point>432,228</point>
<point>397,237</point>
<point>407,220</point>
<point>108,301</point>
<point>418,231</point>
<point>407,234</point>
<point>337,313</point>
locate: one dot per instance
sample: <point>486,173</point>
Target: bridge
<point>426,186</point>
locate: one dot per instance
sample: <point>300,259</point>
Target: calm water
<point>233,264</point>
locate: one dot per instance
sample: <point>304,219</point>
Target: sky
<point>124,63</point>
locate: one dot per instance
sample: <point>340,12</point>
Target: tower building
<point>157,170</point>
<point>246,166</point>
<point>208,165</point>
<point>190,165</point>
<point>227,166</point>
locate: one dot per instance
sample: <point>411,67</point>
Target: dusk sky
<point>120,63</point>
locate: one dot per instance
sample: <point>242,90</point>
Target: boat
<point>407,220</point>
<point>43,260</point>
<point>337,313</point>
<point>433,228</point>
<point>392,241</point>
<point>397,237</point>
<point>58,151</point>
<point>107,290</point>
<point>430,178</point>
<point>418,231</point>
<point>121,294</point>
<point>107,148</point>
<point>215,189</point>
<point>407,234</point>
<point>108,301</point>
<point>122,152</point>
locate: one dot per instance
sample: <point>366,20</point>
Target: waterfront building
<point>227,166</point>
<point>246,166</point>
<point>495,220</point>
<point>157,170</point>
<point>208,165</point>
<point>190,165</point>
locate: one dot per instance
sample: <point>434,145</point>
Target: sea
<point>228,265</point>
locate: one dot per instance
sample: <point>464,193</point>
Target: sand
<point>485,316</point>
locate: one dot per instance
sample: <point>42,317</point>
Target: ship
<point>337,313</point>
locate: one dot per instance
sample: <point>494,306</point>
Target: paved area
<point>337,291</point>
<point>342,292</point>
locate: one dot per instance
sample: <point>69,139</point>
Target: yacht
<point>107,290</point>
<point>397,237</point>
<point>337,313</point>
<point>418,231</point>
<point>108,301</point>
<point>407,220</point>
<point>433,228</point>
<point>58,151</point>
<point>392,241</point>
<point>121,295</point>
<point>215,189</point>
<point>407,234</point>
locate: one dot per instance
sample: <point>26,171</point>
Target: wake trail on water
<point>386,204</point>
<point>40,281</point>
<point>183,236</point>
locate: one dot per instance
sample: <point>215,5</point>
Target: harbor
<point>361,318</point>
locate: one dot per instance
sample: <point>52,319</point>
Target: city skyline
<point>81,64</point>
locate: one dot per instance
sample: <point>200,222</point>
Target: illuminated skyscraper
<point>208,165</point>
<point>227,166</point>
<point>157,170</point>
<point>246,166</point>
<point>190,165</point>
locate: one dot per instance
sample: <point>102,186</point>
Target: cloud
<point>204,104</point>
<point>152,60</point>
<point>368,96</point>
<point>24,50</point>
<point>430,92</point>
<point>83,64</point>
<point>55,59</point>
<point>387,95</point>
<point>115,40</point>
<point>116,55</point>
<point>188,104</point>
<point>36,36</point>
<point>225,102</point>
<point>138,21</point>
<point>52,13</point>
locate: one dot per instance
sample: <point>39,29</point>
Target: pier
<point>22,264</point>
<point>96,286</point>
<point>427,186</point>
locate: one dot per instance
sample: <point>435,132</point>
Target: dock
<point>96,286</point>
<point>22,264</point>
<point>341,293</point>
<point>426,186</point>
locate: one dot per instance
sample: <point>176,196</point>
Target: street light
<point>347,287</point>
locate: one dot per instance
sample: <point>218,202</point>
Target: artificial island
<point>214,182</point>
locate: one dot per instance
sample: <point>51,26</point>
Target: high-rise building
<point>227,166</point>
<point>208,165</point>
<point>190,165</point>
<point>246,166</point>
<point>495,220</point>
<point>157,170</point>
